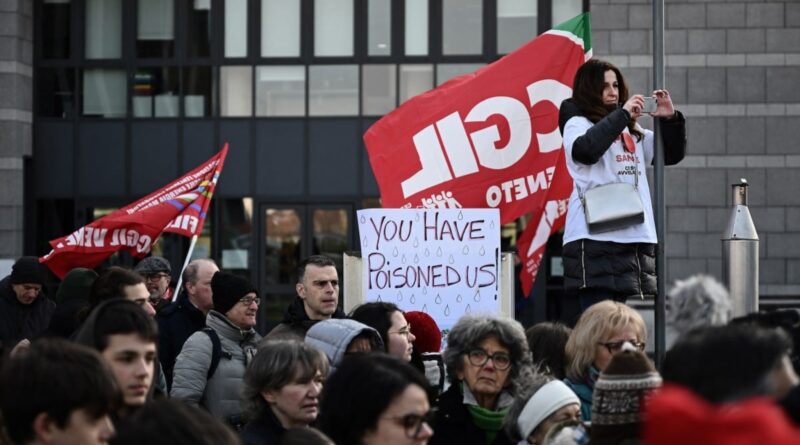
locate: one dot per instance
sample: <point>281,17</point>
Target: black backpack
<point>216,351</point>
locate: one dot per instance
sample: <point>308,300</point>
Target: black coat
<point>266,430</point>
<point>176,323</point>
<point>295,322</point>
<point>19,321</point>
<point>454,424</point>
<point>622,270</point>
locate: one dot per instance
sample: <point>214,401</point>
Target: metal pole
<point>740,254</point>
<point>660,209</point>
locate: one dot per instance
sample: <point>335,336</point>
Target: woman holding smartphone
<point>604,144</point>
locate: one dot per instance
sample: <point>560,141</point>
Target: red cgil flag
<point>180,207</point>
<point>488,139</point>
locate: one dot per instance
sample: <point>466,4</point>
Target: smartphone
<point>649,105</point>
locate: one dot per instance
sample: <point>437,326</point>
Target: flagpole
<point>659,311</point>
<point>185,263</point>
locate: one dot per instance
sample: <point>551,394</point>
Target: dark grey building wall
<point>16,100</point>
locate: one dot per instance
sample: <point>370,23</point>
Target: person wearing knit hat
<point>539,407</point>
<point>25,311</point>
<point>214,380</point>
<point>426,356</point>
<point>618,397</point>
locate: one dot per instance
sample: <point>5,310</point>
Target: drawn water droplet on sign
<point>459,298</point>
<point>467,309</point>
<point>416,258</point>
<point>451,260</point>
<point>439,252</point>
<point>403,259</point>
<point>482,252</point>
<point>395,252</point>
<point>413,299</point>
<point>465,250</point>
<point>416,242</point>
<point>495,297</point>
<point>491,225</point>
<point>363,220</point>
<point>477,296</point>
<point>364,242</point>
<point>447,310</point>
<point>399,296</point>
<point>438,299</point>
<point>416,217</point>
<point>425,308</point>
<point>460,215</point>
<point>424,291</point>
<point>427,252</point>
<point>379,298</point>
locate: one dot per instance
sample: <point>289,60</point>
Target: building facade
<point>104,101</point>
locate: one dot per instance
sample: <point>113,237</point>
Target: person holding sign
<point>610,235</point>
<point>488,363</point>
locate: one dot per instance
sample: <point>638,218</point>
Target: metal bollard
<point>740,254</point>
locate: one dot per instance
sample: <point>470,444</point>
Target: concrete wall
<point>16,106</point>
<point>733,68</point>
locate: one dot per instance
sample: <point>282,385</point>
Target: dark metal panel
<point>280,158</point>
<point>333,156</point>
<point>53,156</point>
<point>235,179</point>
<point>198,143</point>
<point>369,187</point>
<point>101,159</point>
<point>154,155</point>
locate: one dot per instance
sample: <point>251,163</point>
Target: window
<point>516,23</point>
<point>416,31</point>
<point>280,28</point>
<point>198,86</point>
<point>103,29</point>
<point>447,71</point>
<point>280,91</point>
<point>378,88</point>
<point>155,92</point>
<point>236,91</point>
<point>333,90</point>
<point>235,28</point>
<point>462,27</point>
<point>56,92</point>
<point>55,22</point>
<point>236,237</point>
<point>199,28</point>
<point>155,28</point>
<point>333,28</point>
<point>564,10</point>
<point>379,30</point>
<point>415,79</point>
<point>104,93</point>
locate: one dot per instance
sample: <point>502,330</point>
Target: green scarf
<point>488,420</point>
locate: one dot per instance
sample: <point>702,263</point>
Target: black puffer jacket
<point>19,321</point>
<point>623,270</point>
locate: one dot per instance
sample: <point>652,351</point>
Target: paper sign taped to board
<point>443,262</point>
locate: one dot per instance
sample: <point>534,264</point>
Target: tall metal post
<point>740,254</point>
<point>660,209</point>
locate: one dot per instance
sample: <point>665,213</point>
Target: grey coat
<point>221,394</point>
<point>333,336</point>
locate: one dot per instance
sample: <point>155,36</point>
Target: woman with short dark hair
<point>281,390</point>
<point>488,362</point>
<point>391,324</point>
<point>376,399</point>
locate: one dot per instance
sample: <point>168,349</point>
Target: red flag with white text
<point>486,139</point>
<point>179,207</point>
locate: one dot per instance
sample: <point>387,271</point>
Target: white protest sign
<point>444,262</point>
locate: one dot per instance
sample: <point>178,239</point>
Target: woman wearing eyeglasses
<point>488,363</point>
<point>599,334</point>
<point>376,399</point>
<point>391,324</point>
<point>281,390</point>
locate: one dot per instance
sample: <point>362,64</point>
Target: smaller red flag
<point>179,207</point>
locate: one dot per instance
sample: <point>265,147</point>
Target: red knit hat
<point>675,415</point>
<point>429,337</point>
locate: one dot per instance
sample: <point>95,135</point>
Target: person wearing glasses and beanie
<point>600,333</point>
<point>488,363</point>
<point>214,380</point>
<point>376,399</point>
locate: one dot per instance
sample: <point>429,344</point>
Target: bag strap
<point>635,167</point>
<point>216,351</point>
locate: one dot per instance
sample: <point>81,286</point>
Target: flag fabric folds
<point>488,139</point>
<point>179,207</point>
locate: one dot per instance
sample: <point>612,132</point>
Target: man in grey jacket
<point>217,386</point>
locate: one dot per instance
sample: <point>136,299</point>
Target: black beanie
<point>227,289</point>
<point>28,270</point>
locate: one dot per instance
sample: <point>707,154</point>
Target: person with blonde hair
<point>600,333</point>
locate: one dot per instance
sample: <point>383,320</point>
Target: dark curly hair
<point>587,92</point>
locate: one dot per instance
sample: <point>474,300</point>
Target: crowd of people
<point>111,368</point>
